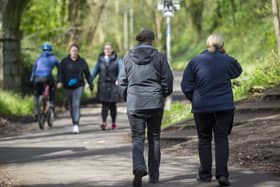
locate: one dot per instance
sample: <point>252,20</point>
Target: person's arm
<point>188,81</point>
<point>166,77</point>
<point>119,66</point>
<point>87,75</point>
<point>60,74</point>
<point>235,69</point>
<point>57,67</point>
<point>33,71</point>
<point>123,82</point>
<point>95,71</point>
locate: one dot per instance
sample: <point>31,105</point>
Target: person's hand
<point>59,85</point>
<point>117,82</point>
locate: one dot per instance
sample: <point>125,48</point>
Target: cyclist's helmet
<point>47,47</point>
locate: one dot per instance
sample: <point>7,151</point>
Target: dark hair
<point>74,45</point>
<point>145,35</point>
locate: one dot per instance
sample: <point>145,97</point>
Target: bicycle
<point>46,112</point>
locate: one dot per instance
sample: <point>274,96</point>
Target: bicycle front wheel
<point>51,117</point>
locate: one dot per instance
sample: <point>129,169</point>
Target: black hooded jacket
<point>70,69</point>
<point>145,79</point>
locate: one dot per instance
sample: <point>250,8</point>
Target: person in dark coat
<point>206,83</point>
<point>72,71</point>
<point>107,67</point>
<point>144,82</point>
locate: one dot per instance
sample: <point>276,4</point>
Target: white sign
<point>168,7</point>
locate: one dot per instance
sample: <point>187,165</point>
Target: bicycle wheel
<point>51,116</point>
<point>41,116</point>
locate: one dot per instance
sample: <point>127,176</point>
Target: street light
<point>168,7</point>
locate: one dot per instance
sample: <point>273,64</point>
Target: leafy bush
<point>13,104</point>
<point>178,112</point>
<point>265,72</point>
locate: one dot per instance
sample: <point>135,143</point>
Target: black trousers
<point>220,123</point>
<point>106,106</point>
<point>139,121</point>
<point>40,86</point>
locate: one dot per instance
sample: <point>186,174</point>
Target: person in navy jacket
<point>206,83</point>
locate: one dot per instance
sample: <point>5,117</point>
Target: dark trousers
<point>220,123</point>
<point>106,106</point>
<point>139,120</point>
<point>40,83</point>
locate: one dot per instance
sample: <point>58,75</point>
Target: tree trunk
<point>76,13</point>
<point>217,20</point>
<point>93,28</point>
<point>195,10</point>
<point>233,7</point>
<point>10,37</point>
<point>275,12</point>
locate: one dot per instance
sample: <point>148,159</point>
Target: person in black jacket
<point>144,82</point>
<point>71,74</point>
<point>107,67</point>
<point>207,84</point>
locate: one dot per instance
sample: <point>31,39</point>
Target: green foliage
<point>179,111</point>
<point>15,105</point>
<point>246,26</point>
<point>264,73</point>
<point>43,20</point>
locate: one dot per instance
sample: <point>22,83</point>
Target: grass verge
<point>14,105</point>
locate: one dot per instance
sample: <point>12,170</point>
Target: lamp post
<point>168,7</point>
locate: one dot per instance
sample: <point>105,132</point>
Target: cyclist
<point>42,74</point>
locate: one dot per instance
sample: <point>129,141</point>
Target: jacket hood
<point>142,54</point>
<point>46,53</point>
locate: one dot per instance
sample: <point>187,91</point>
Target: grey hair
<point>214,42</point>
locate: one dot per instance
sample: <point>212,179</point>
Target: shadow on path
<point>41,154</point>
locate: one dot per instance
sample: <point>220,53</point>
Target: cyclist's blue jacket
<point>44,65</point>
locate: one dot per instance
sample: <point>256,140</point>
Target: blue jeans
<point>74,99</point>
<point>139,120</point>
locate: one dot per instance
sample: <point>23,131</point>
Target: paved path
<point>95,158</point>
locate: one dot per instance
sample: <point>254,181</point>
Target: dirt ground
<point>254,145</point>
<point>255,138</point>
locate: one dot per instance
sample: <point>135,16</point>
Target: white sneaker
<point>76,129</point>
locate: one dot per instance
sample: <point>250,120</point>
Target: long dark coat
<point>108,75</point>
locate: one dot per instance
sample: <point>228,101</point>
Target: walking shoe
<point>76,129</point>
<point>114,125</point>
<point>137,181</point>
<point>204,179</point>
<point>103,126</point>
<point>223,181</point>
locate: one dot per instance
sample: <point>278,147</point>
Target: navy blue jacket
<point>206,81</point>
<point>44,65</point>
